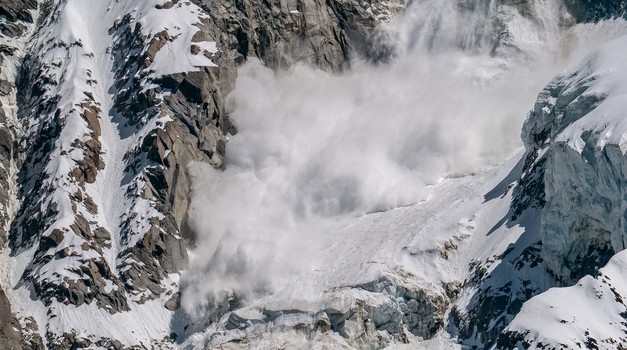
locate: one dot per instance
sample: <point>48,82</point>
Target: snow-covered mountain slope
<point>89,230</point>
<point>578,130</point>
<point>373,192</point>
<point>385,278</point>
<point>590,314</point>
<point>17,22</point>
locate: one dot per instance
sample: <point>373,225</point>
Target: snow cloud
<point>315,148</point>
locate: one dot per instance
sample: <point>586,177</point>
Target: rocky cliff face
<point>325,34</point>
<point>575,136</point>
<point>569,198</point>
<point>16,26</point>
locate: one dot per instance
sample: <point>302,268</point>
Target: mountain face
<point>105,105</point>
<point>109,109</point>
<point>577,124</point>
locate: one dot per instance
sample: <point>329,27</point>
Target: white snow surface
<point>603,72</point>
<point>404,243</point>
<point>590,312</point>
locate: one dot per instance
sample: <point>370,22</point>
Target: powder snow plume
<point>313,148</point>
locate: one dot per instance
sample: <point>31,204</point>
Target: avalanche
<point>389,205</point>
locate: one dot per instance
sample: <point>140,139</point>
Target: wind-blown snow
<point>368,141</point>
<point>405,243</point>
<point>314,150</point>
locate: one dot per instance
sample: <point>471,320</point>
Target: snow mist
<point>314,149</point>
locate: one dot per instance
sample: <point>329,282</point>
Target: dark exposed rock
<point>174,302</point>
<point>16,15</point>
<point>595,10</point>
<point>31,339</point>
<point>13,17</point>
<point>68,340</point>
<point>155,44</point>
<point>323,33</point>
<point>167,4</point>
<point>10,334</point>
<point>512,340</point>
<point>12,30</point>
<point>18,10</point>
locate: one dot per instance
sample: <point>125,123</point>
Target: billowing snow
<point>335,182</point>
<point>406,241</point>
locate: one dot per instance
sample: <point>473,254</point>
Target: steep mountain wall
<point>575,140</point>
<point>17,23</point>
<point>590,10</point>
<point>569,197</point>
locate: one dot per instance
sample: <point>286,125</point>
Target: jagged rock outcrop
<point>575,144</point>
<point>374,315</point>
<point>18,15</point>
<point>10,334</point>
<point>16,24</point>
<point>569,197</point>
<point>325,34</point>
<point>575,174</point>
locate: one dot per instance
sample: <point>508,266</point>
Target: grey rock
<point>31,339</point>
<point>10,333</point>
<point>174,302</point>
<point>595,10</point>
<point>575,245</point>
<point>18,10</point>
<point>12,30</point>
<point>374,315</point>
<point>279,32</point>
